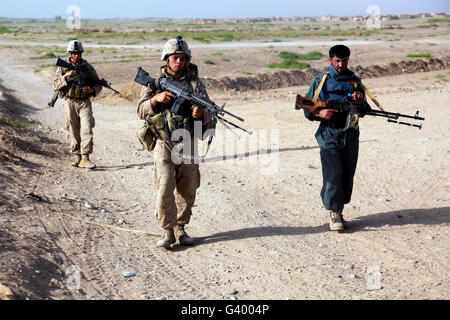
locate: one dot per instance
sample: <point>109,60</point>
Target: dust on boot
<point>75,160</point>
<point>86,163</point>
<point>337,222</point>
<point>167,239</point>
<point>183,237</point>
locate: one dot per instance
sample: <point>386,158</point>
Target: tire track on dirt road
<point>88,246</point>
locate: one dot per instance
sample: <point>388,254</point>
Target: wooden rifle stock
<point>307,103</point>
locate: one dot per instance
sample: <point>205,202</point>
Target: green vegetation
<point>289,55</point>
<point>204,35</point>
<point>208,62</point>
<point>15,123</point>
<point>442,77</point>
<point>420,55</point>
<point>43,66</point>
<point>218,53</point>
<point>291,60</point>
<point>439,20</point>
<point>48,55</point>
<point>4,29</point>
<point>290,64</point>
<point>131,56</point>
<point>201,39</point>
<point>313,55</point>
<point>246,72</point>
<point>226,36</point>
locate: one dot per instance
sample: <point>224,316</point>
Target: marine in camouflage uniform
<point>176,181</point>
<point>80,120</point>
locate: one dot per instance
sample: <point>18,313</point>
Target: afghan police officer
<point>80,120</point>
<point>338,147</point>
<point>176,181</point>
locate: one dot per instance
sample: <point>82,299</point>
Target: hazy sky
<point>214,8</point>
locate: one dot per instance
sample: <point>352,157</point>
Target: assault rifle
<point>354,108</point>
<point>84,78</point>
<point>185,97</point>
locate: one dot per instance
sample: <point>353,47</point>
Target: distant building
<point>407,16</point>
<point>357,19</point>
<point>439,15</point>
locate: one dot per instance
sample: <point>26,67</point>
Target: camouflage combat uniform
<point>176,182</point>
<point>79,117</point>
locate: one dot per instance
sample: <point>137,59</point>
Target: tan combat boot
<point>183,237</point>
<point>167,239</point>
<point>86,163</point>
<point>76,160</point>
<point>337,222</point>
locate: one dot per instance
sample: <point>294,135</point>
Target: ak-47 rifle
<point>183,94</point>
<point>354,108</point>
<point>82,79</point>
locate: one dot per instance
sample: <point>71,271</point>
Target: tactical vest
<point>72,91</point>
<point>335,86</point>
<point>164,123</point>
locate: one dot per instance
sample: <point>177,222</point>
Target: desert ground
<point>260,228</point>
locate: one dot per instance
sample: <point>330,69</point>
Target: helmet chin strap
<point>174,71</point>
<point>186,63</point>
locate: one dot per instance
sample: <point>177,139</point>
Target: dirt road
<point>261,230</point>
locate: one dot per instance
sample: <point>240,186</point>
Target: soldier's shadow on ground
<point>263,152</point>
<point>401,219</point>
<point>373,222</point>
<point>125,166</point>
<point>260,152</point>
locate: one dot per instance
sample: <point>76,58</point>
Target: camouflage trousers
<point>80,122</point>
<point>177,185</point>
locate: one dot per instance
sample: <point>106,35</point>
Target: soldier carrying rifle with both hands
<point>80,120</point>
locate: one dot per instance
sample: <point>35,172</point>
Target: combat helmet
<point>75,46</point>
<point>177,45</point>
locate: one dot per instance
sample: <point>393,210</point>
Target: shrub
<point>419,55</point>
<point>288,55</point>
<point>439,20</point>
<point>15,123</point>
<point>313,55</point>
<point>48,55</point>
<point>4,29</point>
<point>290,64</point>
<point>201,39</point>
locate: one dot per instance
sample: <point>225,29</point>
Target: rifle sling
<point>319,88</point>
<point>367,92</point>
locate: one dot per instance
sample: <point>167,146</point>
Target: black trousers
<point>339,158</point>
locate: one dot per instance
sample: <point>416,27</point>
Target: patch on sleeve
<point>354,83</point>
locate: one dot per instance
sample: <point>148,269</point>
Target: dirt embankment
<point>283,79</point>
<point>24,254</point>
<point>11,121</point>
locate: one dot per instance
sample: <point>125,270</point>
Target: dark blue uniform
<point>338,148</point>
